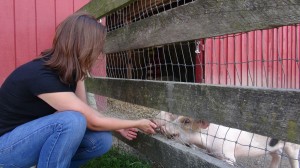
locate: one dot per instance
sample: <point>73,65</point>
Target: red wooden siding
<point>262,58</point>
<point>7,39</point>
<point>25,31</point>
<point>27,28</point>
<point>199,68</point>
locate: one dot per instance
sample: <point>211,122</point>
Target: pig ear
<point>204,124</point>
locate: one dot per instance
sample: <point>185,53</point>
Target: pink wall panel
<point>293,57</point>
<point>27,28</point>
<point>297,57</point>
<point>208,60</point>
<point>276,64</point>
<point>284,56</point>
<point>79,3</point>
<point>238,59</point>
<point>45,24</point>
<point>270,55</point>
<point>262,58</point>
<point>63,9</point>
<point>258,59</point>
<point>223,60</point>
<point>230,61</point>
<point>7,39</point>
<point>244,60</point>
<point>215,67</point>
<point>250,58</point>
<point>25,20</point>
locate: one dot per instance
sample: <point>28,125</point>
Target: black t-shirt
<point>18,94</point>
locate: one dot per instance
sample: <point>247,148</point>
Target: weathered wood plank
<point>202,19</point>
<point>270,112</point>
<point>100,8</point>
<point>171,154</point>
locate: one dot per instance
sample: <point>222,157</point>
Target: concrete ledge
<point>171,154</point>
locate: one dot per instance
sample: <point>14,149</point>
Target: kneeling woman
<point>44,117</point>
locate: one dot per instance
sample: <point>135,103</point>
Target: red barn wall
<point>261,58</point>
<point>27,28</point>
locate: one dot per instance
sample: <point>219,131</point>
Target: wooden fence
<point>269,112</point>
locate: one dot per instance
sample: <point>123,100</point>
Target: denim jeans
<point>59,140</point>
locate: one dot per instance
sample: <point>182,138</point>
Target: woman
<point>44,116</point>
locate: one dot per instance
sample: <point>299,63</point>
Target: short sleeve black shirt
<point>18,94</point>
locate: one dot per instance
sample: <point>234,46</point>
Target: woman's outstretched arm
<point>128,133</point>
<point>63,101</point>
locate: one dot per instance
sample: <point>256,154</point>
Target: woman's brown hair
<point>78,42</point>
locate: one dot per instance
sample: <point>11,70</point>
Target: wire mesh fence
<point>261,58</point>
<point>139,10</point>
<point>172,62</point>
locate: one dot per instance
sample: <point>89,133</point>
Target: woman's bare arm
<point>80,91</point>
<point>129,133</point>
<point>63,101</point>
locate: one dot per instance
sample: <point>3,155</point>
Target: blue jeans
<point>56,141</point>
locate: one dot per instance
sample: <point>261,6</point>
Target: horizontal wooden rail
<point>100,8</point>
<point>171,154</point>
<point>202,19</point>
<point>269,112</point>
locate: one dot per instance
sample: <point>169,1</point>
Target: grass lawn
<point>117,158</point>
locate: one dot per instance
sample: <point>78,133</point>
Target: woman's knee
<point>73,120</point>
<point>104,142</point>
<point>98,142</point>
<point>107,141</point>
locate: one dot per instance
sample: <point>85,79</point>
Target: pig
<point>161,120</point>
<point>229,143</point>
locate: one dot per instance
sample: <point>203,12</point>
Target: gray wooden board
<point>100,8</point>
<point>269,112</point>
<point>171,154</point>
<point>202,19</point>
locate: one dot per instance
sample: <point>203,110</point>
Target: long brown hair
<point>78,42</point>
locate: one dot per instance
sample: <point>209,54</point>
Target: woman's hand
<point>129,133</point>
<point>147,126</point>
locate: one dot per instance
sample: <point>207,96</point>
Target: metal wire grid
<point>140,9</point>
<point>258,61</point>
<point>262,58</point>
<point>169,63</point>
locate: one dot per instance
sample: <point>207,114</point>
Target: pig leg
<point>292,150</point>
<point>229,157</point>
<point>276,157</point>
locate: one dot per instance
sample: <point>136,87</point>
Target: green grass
<point>117,158</point>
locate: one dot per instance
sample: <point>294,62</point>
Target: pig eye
<point>186,121</point>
